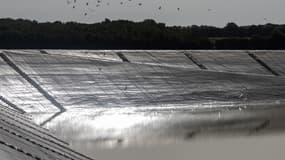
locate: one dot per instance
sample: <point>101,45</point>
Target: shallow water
<point>160,97</point>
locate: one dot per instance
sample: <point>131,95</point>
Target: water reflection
<point>119,127</point>
<point>152,100</point>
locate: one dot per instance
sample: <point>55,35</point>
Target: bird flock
<point>91,5</point>
<point>100,3</point>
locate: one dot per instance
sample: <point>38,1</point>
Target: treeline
<point>148,34</point>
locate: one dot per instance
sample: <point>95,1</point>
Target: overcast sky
<point>208,12</point>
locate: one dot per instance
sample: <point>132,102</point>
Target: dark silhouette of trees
<point>148,34</point>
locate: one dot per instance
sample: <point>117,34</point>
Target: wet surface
<point>156,97</point>
<point>20,139</point>
<point>234,61</point>
<point>273,59</point>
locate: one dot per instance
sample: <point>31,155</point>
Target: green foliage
<point>148,34</point>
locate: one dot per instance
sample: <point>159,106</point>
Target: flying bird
<point>108,3</point>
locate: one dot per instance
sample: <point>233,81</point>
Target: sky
<point>199,12</point>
